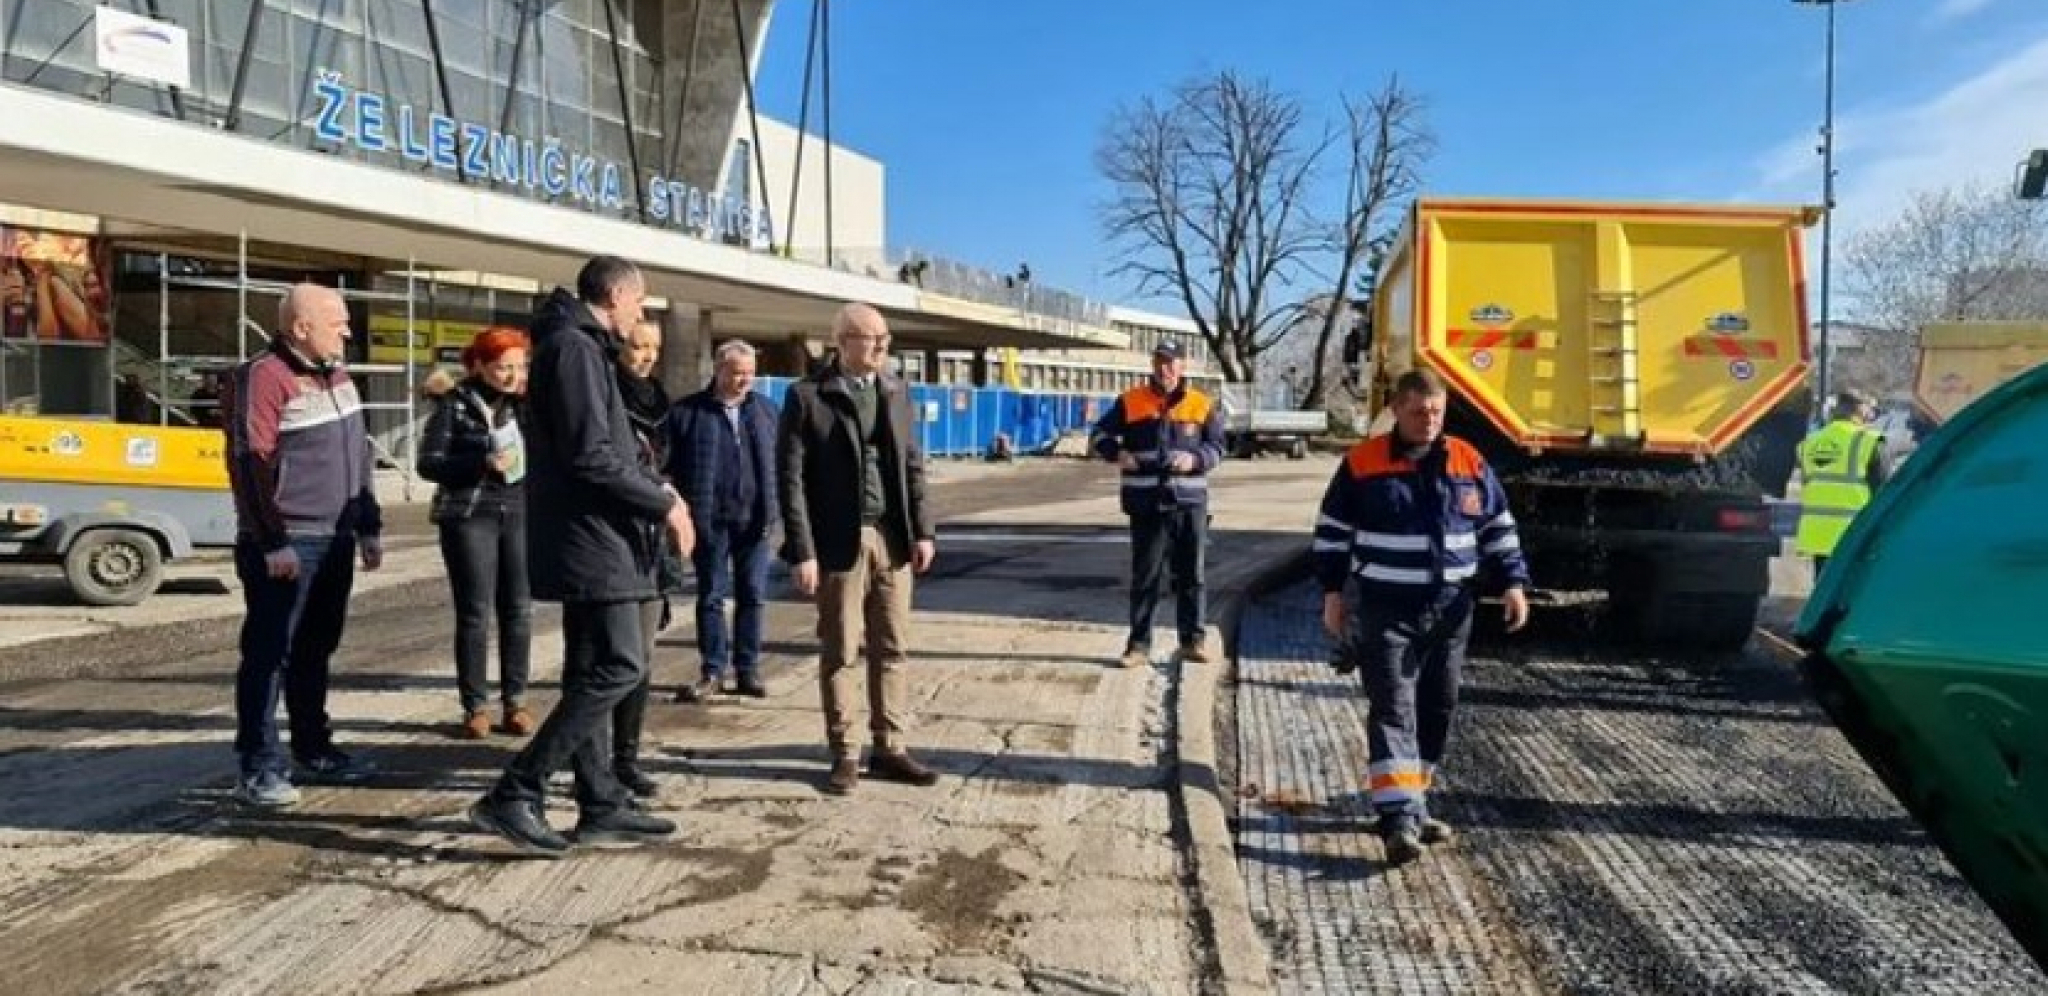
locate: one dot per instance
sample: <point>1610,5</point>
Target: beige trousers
<point>865,609</point>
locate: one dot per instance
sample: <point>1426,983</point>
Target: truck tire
<point>1297,449</point>
<point>114,566</point>
<point>1718,621</point>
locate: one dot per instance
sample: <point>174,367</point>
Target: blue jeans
<point>289,635</point>
<point>731,562</point>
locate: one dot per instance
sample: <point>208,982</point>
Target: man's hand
<point>1127,462</point>
<point>1517,606</point>
<point>282,564</point>
<point>922,555</point>
<point>681,529</point>
<point>806,577</point>
<point>500,461</point>
<point>1183,463</point>
<point>1333,614</point>
<point>371,548</point>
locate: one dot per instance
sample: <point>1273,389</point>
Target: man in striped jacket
<point>1411,518</point>
<point>300,466</point>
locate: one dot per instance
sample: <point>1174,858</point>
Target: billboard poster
<point>53,287</point>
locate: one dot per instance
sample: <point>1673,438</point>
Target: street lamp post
<point>1827,196</point>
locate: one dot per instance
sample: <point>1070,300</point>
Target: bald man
<point>855,527</point>
<point>300,465</point>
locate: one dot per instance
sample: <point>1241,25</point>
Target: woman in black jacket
<point>647,406</point>
<point>474,450</point>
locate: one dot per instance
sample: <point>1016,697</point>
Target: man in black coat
<point>855,527</point>
<point>595,513</point>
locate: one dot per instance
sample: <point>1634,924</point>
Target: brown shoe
<point>1196,652</point>
<point>518,721</point>
<point>476,727</point>
<point>901,768</point>
<point>845,775</point>
<point>1136,657</point>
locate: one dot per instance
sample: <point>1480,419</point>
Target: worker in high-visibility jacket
<point>1166,436</point>
<point>1419,525</point>
<point>1840,466</point>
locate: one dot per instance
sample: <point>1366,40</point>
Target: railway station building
<point>168,167</point>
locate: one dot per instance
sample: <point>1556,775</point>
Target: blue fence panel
<point>958,421</point>
<point>988,413</point>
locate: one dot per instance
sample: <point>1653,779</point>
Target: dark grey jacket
<point>595,506</point>
<point>818,449</point>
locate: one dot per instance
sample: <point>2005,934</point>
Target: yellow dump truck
<point>1962,361</point>
<point>110,502</point>
<point>1634,373</point>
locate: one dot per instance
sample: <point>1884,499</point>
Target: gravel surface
<point>1628,825</point>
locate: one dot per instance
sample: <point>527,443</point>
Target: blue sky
<point>986,115</point>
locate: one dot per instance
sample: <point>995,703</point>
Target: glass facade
<point>539,71</point>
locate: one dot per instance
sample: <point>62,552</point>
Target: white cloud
<point>1975,130</point>
<point>1956,10</point>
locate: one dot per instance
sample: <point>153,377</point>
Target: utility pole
<point>1822,383</point>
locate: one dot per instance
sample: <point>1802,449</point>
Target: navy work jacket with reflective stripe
<point>1152,426</point>
<point>1408,528</point>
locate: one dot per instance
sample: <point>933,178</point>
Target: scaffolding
<point>396,444</point>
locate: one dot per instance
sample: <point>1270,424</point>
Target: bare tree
<point>1213,204</point>
<point>1387,142</point>
<point>1955,254</point>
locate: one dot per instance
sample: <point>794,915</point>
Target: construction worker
<point>1166,436</point>
<point>1840,466</point>
<point>1410,518</point>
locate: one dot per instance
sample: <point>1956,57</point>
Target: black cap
<point>1169,348</point>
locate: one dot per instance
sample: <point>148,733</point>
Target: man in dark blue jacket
<point>721,456</point>
<point>1412,516</point>
<point>595,513</point>
<point>1166,436</point>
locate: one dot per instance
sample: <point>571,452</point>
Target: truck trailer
<point>1962,361</point>
<point>1635,375</point>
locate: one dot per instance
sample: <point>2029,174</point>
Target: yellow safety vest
<point>1833,466</point>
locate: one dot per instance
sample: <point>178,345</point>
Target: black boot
<point>623,826</point>
<point>520,823</point>
<point>629,774</point>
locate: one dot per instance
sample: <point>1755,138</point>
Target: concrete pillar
<point>686,339</point>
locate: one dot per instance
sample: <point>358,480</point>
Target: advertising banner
<point>53,287</point>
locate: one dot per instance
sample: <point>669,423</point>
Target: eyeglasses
<point>862,337</point>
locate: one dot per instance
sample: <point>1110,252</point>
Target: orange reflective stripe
<point>1413,781</point>
<point>1193,407</point>
<point>1464,461</point>
<point>1142,403</point>
<point>1375,458</point>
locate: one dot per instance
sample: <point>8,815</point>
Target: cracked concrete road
<point>1045,860</point>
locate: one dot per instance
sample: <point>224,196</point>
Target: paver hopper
<point>1926,643</point>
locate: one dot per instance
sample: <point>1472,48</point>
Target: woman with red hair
<point>473,448</point>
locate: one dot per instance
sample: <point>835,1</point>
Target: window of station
<point>567,90</point>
